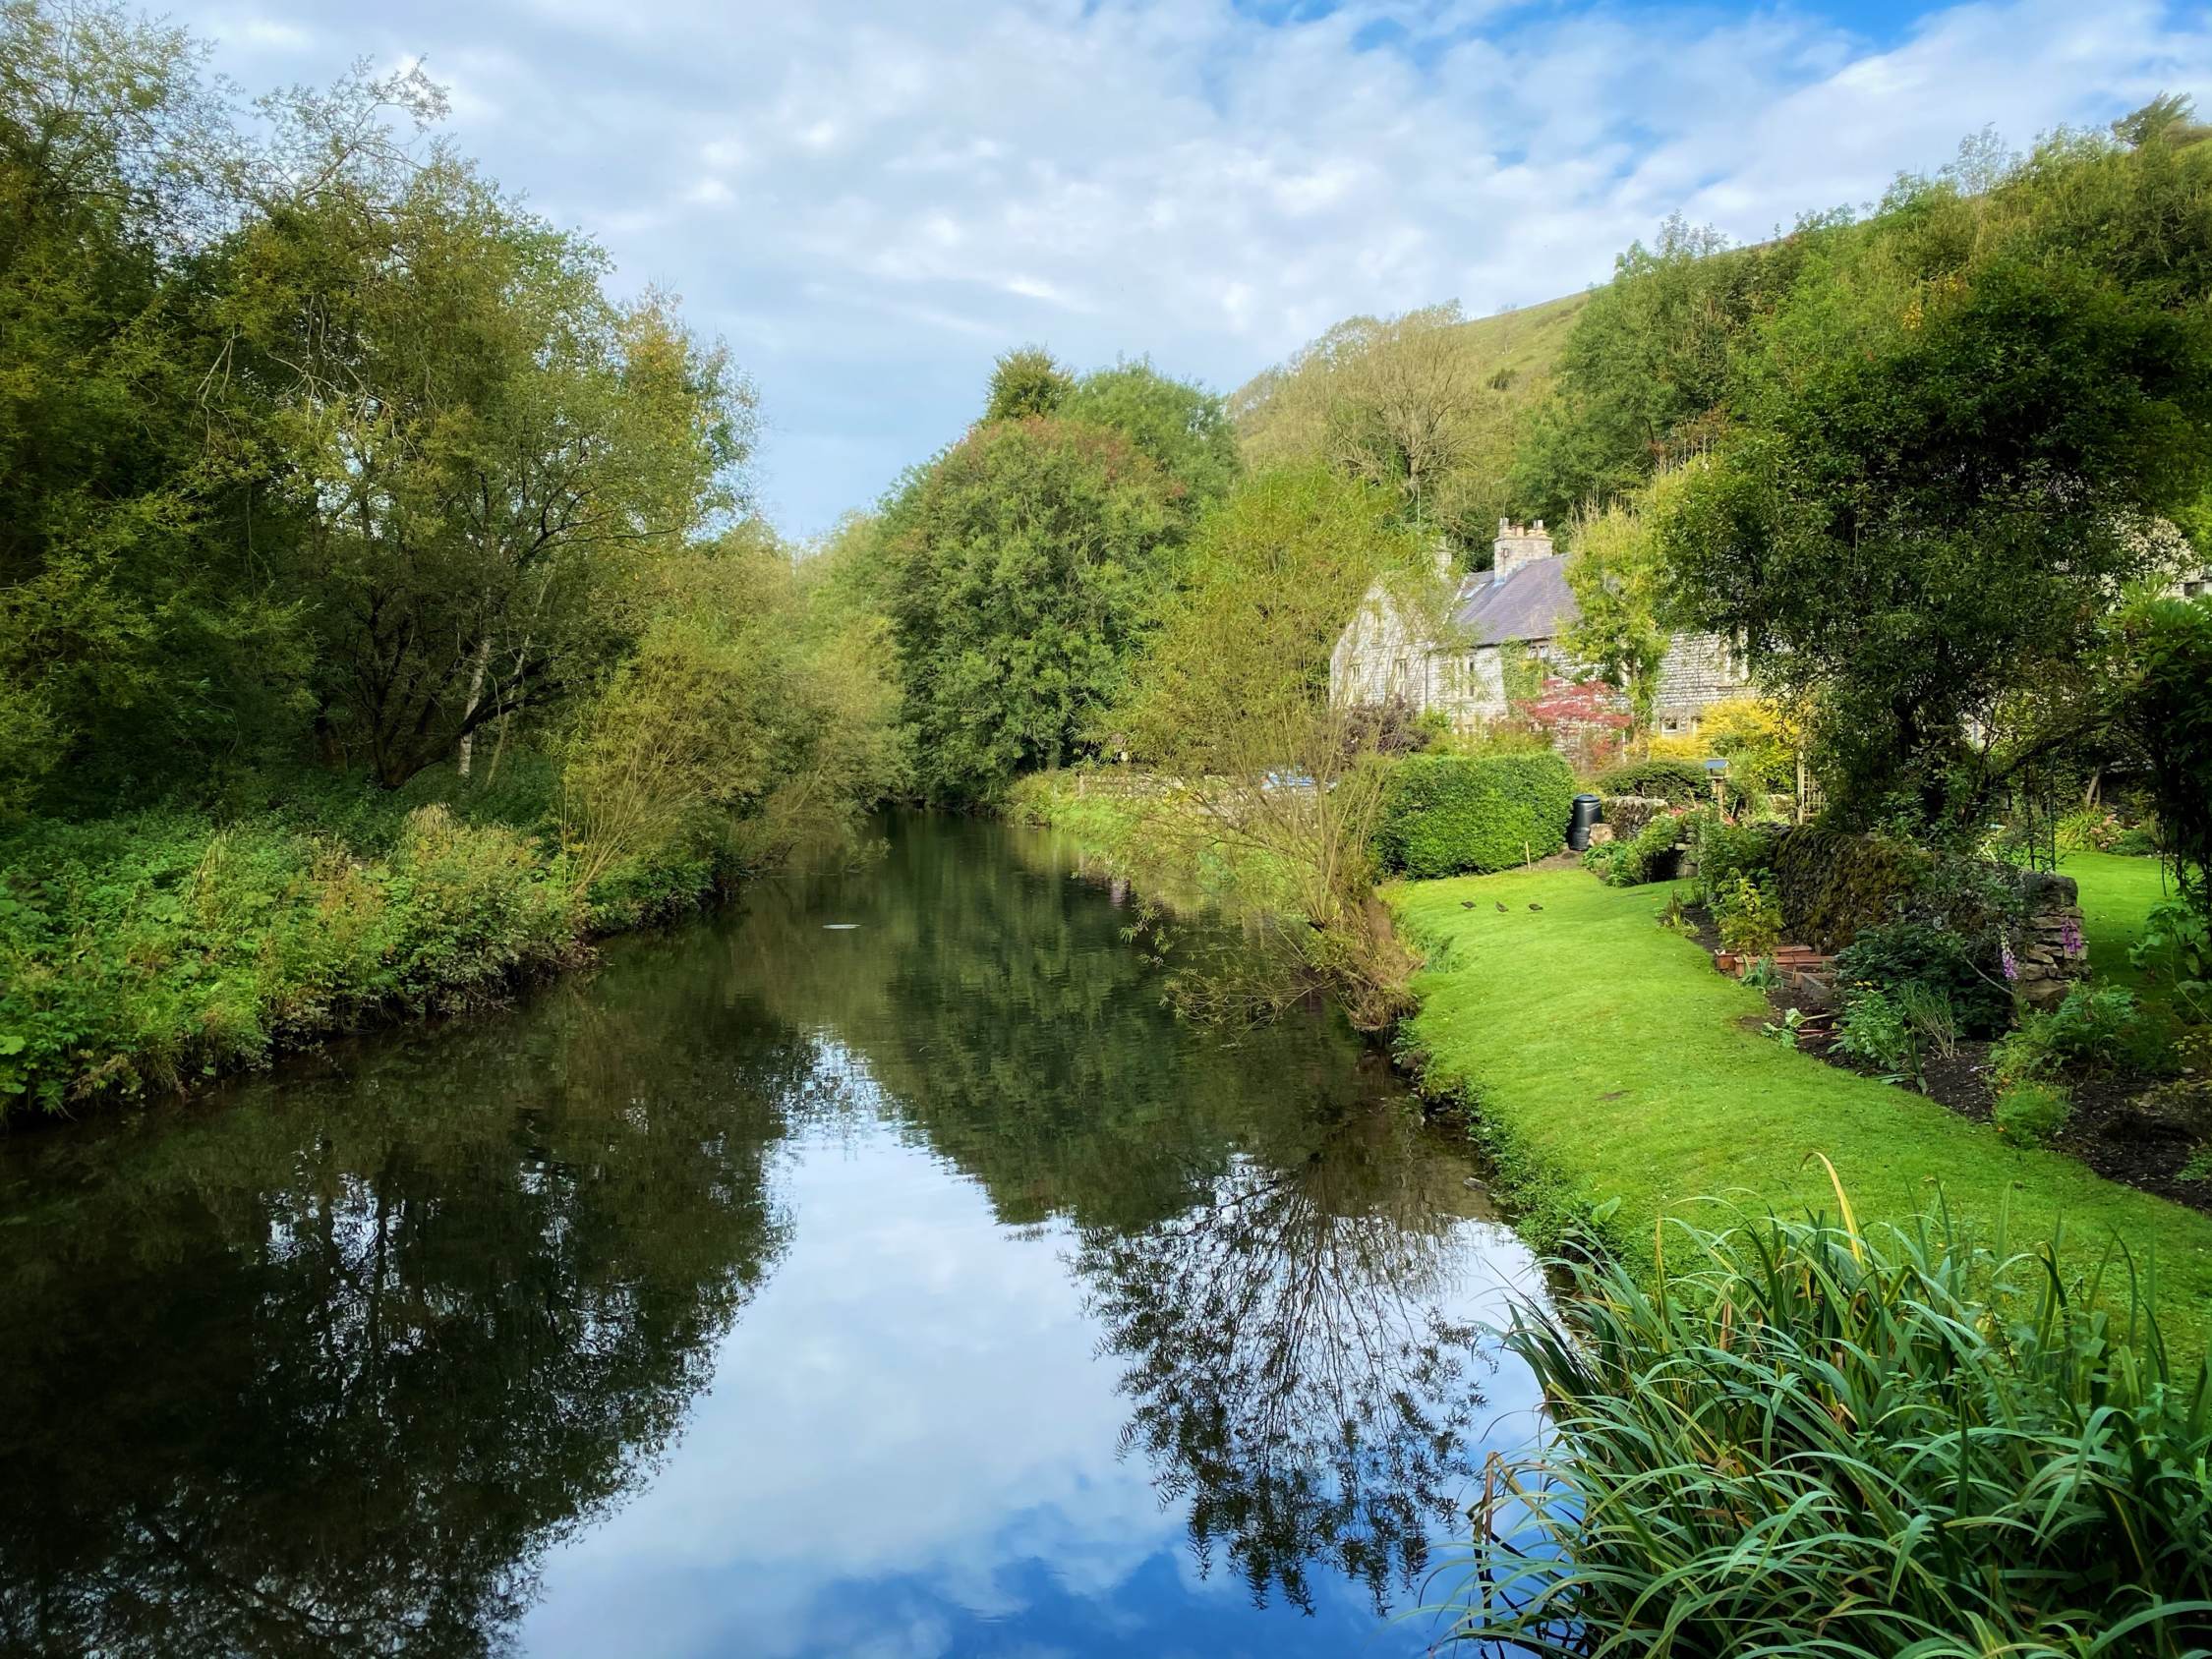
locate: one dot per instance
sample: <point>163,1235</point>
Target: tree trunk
<point>476,691</point>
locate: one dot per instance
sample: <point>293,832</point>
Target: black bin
<point>1578,826</point>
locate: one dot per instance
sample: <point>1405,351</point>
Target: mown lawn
<point>1611,1060</point>
<point>2116,894</point>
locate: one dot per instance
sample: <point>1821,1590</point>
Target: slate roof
<point>1533,604</point>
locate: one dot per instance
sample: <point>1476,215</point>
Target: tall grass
<point>1811,1439</point>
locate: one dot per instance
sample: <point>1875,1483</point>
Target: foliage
<point>1749,917</point>
<point>1182,427</point>
<point>2097,1028</point>
<point>1887,956</point>
<point>1651,854</point>
<point>1026,567</point>
<point>1614,575</point>
<point>2174,949</point>
<point>1874,1028</point>
<point>724,741</point>
<point>140,953</point>
<point>1725,852</point>
<point>1026,385</point>
<point>1945,444</point>
<point>1425,404</point>
<point>1445,815</point>
<point>2165,709</point>
<point>1681,783</point>
<point>1932,1445</point>
<point>1758,738</point>
<point>2031,1113</point>
<point>1644,376</point>
<point>1232,708</point>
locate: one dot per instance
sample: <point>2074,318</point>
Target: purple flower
<point>2011,962</point>
<point>2074,947</point>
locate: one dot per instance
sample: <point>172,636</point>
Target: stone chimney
<point>1518,545</point>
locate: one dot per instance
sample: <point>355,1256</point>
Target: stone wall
<point>2052,957</point>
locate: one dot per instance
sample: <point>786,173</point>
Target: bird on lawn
<point>1467,905</point>
<point>1534,906</point>
<point>1501,907</point>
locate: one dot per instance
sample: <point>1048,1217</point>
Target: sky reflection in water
<point>919,1289</point>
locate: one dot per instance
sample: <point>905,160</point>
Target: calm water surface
<point>912,1285</point>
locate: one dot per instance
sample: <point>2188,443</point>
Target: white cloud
<point>924,186</point>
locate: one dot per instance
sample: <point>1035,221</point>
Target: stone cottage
<point>1522,602</point>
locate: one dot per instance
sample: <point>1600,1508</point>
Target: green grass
<point>2117,893</point>
<point>1608,1061</point>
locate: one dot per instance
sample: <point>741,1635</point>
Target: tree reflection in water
<point>1293,1376</point>
<point>330,1369</point>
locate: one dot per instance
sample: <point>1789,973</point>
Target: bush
<point>1679,782</point>
<point>1445,815</point>
<point>143,951</point>
<point>1723,852</point>
<point>1894,954</point>
<point>1816,1439</point>
<point>2095,1029</point>
<point>1748,916</point>
<point>2031,1112</point>
<point>1874,1028</point>
<point>1650,855</point>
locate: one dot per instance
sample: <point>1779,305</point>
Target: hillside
<point>1431,401</point>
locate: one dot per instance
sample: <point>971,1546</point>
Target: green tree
<point>1027,383</point>
<point>1024,568</point>
<point>481,449</point>
<point>1232,707</point>
<point>135,637</point>
<point>1644,376</point>
<point>1944,452</point>
<point>1615,577</point>
<point>1182,427</point>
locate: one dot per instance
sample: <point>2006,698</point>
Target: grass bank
<point>142,953</point>
<point>1609,1061</point>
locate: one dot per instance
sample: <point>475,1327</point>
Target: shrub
<point>2097,1028</point>
<point>1650,855</point>
<point>1816,1439</point>
<point>1681,782</point>
<point>2031,1112</point>
<point>1874,1028</point>
<point>1723,852</point>
<point>1748,916</point>
<point>2174,949</point>
<point>1444,815</point>
<point>1895,954</point>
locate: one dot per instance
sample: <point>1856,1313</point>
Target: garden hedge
<point>1449,815</point>
<point>1677,782</point>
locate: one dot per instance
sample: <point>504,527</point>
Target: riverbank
<point>1620,1083</point>
<point>146,952</point>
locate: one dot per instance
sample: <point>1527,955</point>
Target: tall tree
<point>1026,567</point>
<point>482,448</point>
<point>1182,427</point>
<point>1943,451</point>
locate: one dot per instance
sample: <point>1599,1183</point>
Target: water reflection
<point>916,1288</point>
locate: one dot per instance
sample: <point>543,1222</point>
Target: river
<point>872,1267</point>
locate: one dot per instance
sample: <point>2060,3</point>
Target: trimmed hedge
<point>1677,782</point>
<point>1450,814</point>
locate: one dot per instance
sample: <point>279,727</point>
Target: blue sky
<point>870,201</point>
